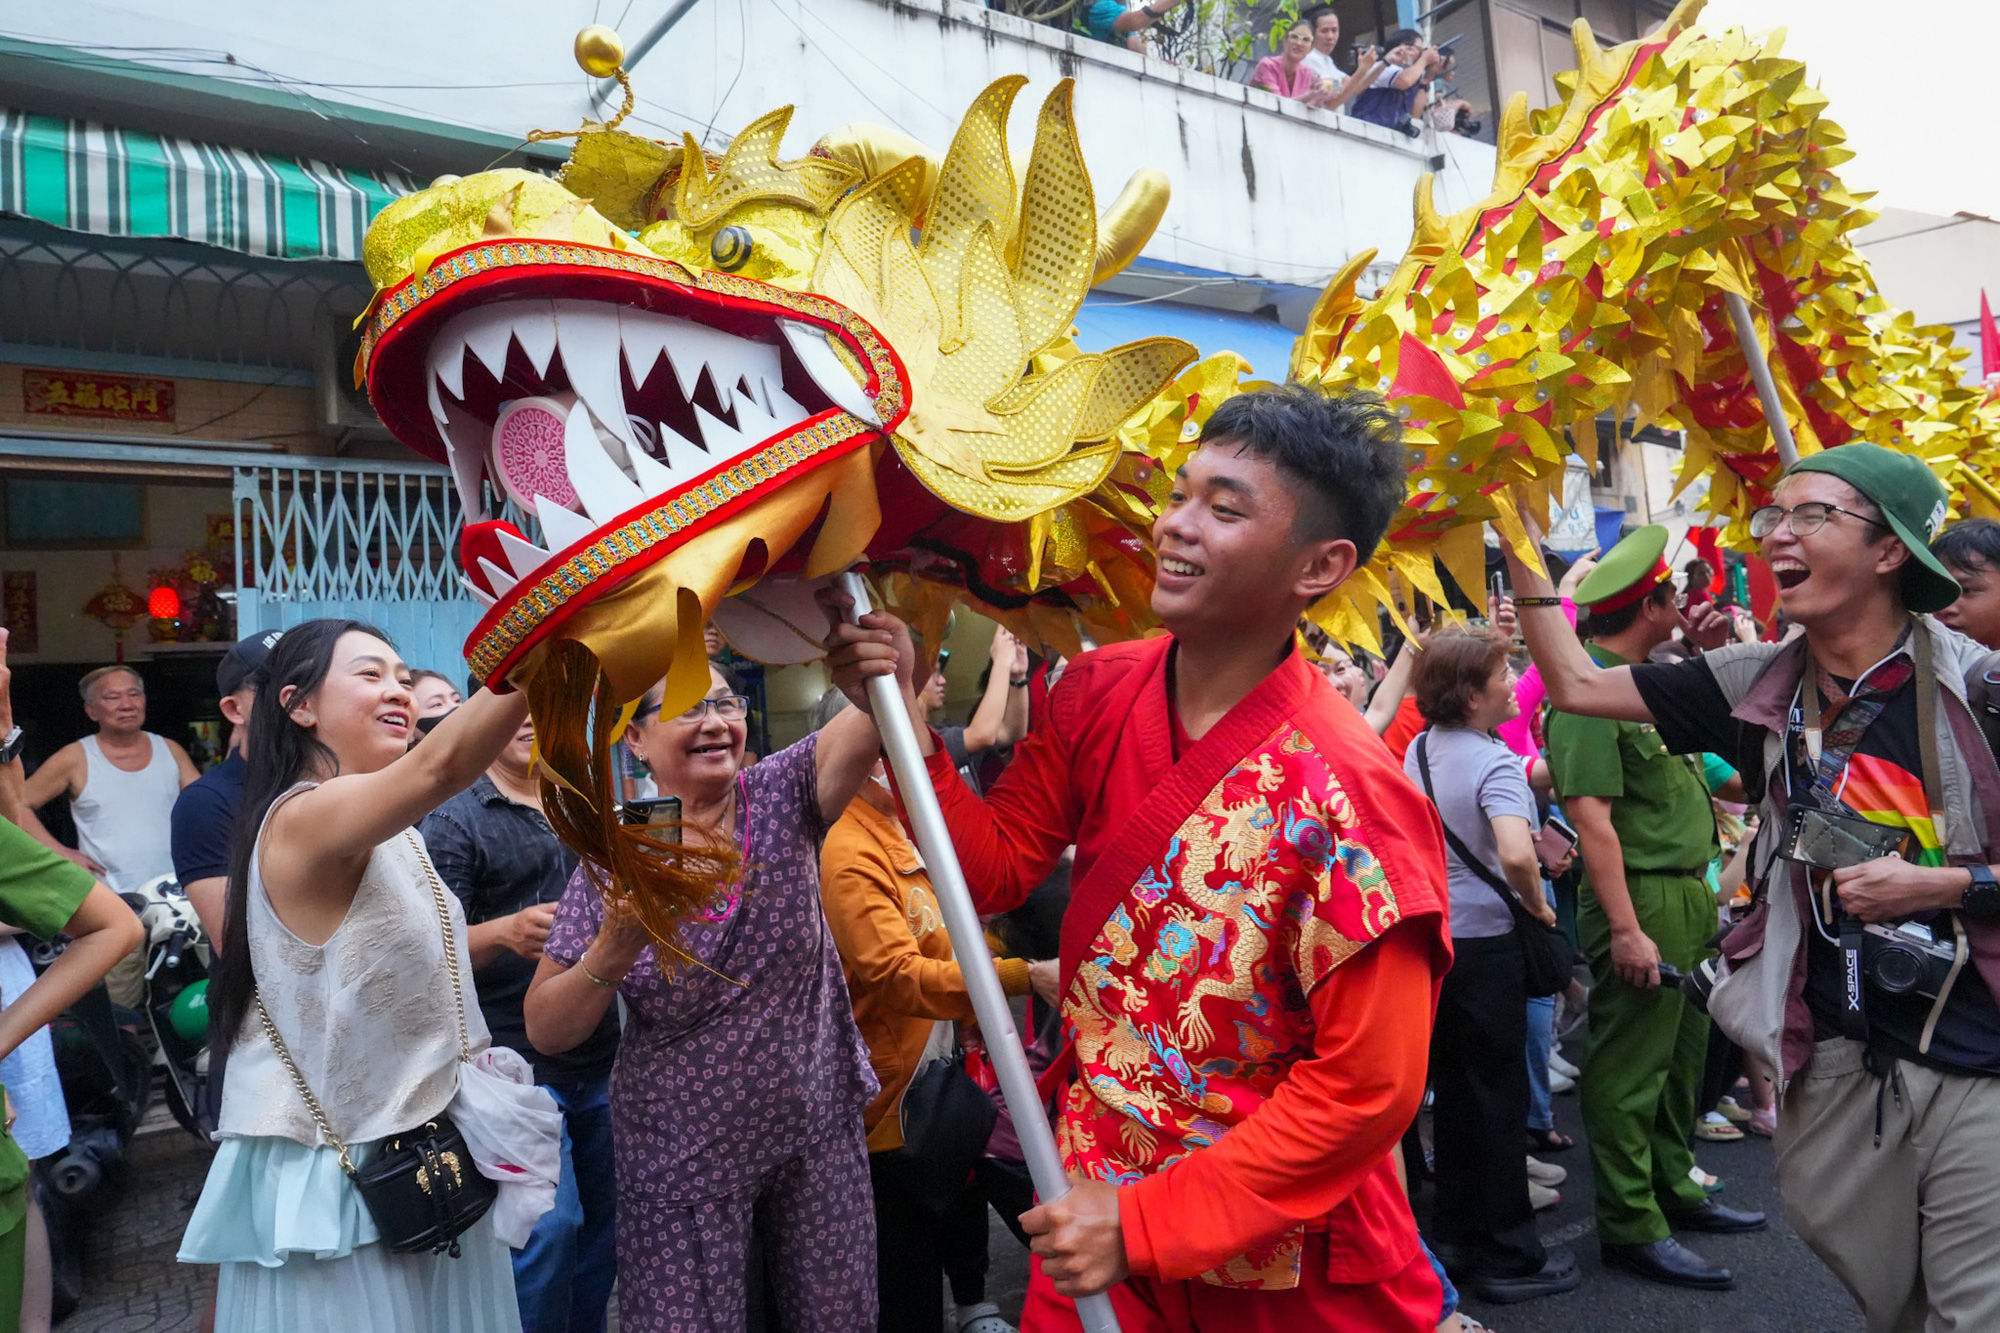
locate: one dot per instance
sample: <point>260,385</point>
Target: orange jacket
<point>893,947</point>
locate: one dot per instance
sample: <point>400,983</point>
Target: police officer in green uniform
<point>1647,833</point>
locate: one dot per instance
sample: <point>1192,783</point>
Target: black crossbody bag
<point>1549,959</point>
<point>423,1189</point>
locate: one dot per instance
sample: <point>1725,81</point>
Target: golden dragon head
<point>711,374</point>
<point>714,379</point>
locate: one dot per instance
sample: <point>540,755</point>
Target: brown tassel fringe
<point>663,881</point>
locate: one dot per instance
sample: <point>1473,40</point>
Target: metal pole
<point>1760,371</point>
<point>646,44</point>
<point>968,942</point>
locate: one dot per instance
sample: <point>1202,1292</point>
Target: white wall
<point>1935,266</point>
<point>1320,192</point>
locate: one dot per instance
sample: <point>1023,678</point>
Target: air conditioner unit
<point>343,408</point>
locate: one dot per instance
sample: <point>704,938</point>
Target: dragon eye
<point>731,248</point>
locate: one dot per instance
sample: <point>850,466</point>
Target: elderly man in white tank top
<point>121,782</point>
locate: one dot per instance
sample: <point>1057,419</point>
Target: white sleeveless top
<point>368,1016</point>
<point>123,819</point>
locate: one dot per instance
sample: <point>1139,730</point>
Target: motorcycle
<point>177,959</point>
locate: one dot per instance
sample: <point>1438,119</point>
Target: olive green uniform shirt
<point>39,893</point>
<point>1659,803</point>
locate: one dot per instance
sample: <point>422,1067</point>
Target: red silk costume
<point>1249,965</point>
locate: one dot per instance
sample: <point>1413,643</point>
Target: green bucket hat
<point>1913,504</point>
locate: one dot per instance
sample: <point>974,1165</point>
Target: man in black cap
<point>1868,970</point>
<point>204,818</point>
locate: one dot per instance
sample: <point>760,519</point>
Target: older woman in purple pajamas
<point>736,1100</point>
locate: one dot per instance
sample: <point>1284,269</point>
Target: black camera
<point>1695,986</point>
<point>1905,959</point>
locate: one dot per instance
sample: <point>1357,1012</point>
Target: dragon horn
<point>1126,226</point>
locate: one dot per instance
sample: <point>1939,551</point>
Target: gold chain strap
<point>450,942</point>
<point>457,994</point>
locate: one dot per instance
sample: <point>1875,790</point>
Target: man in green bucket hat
<point>1867,971</point>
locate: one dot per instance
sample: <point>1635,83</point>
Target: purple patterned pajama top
<point>717,1081</point>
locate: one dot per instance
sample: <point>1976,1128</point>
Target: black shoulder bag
<point>1548,956</point>
<point>423,1189</point>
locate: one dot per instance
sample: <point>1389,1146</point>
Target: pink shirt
<point>1518,731</point>
<point>1270,73</point>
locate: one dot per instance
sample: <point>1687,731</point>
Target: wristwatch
<point>10,749</point>
<point>1982,896</point>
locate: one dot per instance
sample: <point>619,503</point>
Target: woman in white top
<point>333,925</point>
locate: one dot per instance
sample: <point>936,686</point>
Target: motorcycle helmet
<point>189,1012</point>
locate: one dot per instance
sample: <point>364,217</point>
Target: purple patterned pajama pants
<point>682,1268</point>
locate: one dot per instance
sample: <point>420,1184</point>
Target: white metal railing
<point>312,531</point>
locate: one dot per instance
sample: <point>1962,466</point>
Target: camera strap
<point>1853,1018</point>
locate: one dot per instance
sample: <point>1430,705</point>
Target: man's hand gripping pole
<point>968,942</point>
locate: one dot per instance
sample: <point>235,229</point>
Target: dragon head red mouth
<point>625,402</point>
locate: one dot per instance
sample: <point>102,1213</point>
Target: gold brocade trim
<point>532,606</point>
<point>396,305</point>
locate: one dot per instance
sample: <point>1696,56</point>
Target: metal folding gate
<point>368,540</point>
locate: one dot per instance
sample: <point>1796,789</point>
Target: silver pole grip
<point>968,943</point>
<point>1760,371</point>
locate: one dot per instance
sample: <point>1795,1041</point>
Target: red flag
<point>1989,339</point>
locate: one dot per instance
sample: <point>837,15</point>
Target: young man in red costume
<point>1252,950</point>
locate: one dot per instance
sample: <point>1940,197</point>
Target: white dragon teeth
<point>535,330</point>
<point>655,478</point>
<point>587,332</point>
<point>605,491</point>
<point>522,554</point>
<point>562,528</point>
<point>499,579</point>
<point>465,447</point>
<point>479,594</point>
<point>722,440</point>
<point>607,462</point>
<point>810,346</point>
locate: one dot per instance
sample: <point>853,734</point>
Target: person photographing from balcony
<point>1855,736</point>
<point>1287,73</point>
<point>1126,24</point>
<point>1397,92</point>
<point>1252,950</point>
<point>1333,87</point>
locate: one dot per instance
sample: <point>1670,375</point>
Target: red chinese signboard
<point>60,393</point>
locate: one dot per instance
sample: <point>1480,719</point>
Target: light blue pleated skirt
<point>299,1252</point>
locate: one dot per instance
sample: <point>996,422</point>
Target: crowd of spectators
<point>1401,84</point>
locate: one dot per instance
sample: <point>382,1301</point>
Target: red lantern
<point>163,603</point>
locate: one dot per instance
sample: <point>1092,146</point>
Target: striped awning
<point>97,178</point>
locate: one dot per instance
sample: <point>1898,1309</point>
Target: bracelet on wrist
<point>1538,601</point>
<point>593,978</point>
<point>1017,682</point>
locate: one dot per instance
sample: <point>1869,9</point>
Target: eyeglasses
<point>730,708</point>
<point>1804,520</point>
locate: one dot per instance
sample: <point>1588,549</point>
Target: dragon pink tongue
<point>528,452</point>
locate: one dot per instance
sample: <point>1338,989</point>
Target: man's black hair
<point>1343,451</point>
<point>1971,545</point>
<point>1312,14</point>
<point>1609,624</point>
<point>1402,37</point>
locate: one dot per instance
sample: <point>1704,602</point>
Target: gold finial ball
<point>599,51</point>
